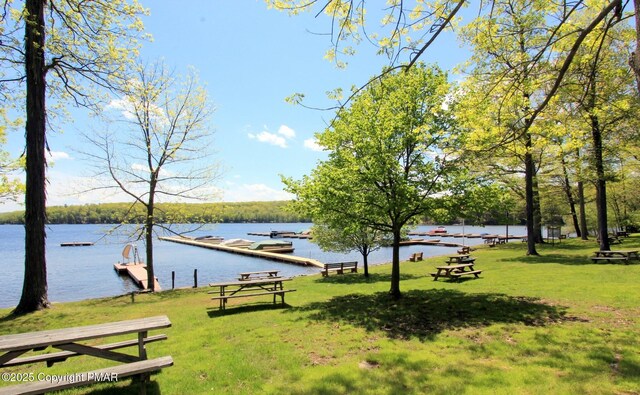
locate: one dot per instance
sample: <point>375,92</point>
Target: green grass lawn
<point>553,324</point>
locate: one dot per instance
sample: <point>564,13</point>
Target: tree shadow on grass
<point>561,259</point>
<point>213,312</point>
<point>423,314</point>
<point>357,278</point>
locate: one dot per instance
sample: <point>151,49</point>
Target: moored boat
<point>272,246</point>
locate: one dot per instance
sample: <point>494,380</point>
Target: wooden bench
<point>609,258</point>
<point>455,271</point>
<point>67,340</point>
<point>114,373</point>
<point>223,298</point>
<point>249,288</point>
<point>458,274</point>
<point>416,256</point>
<point>465,250</point>
<point>339,267</point>
<point>259,274</point>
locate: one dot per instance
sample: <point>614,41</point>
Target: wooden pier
<point>245,251</point>
<point>76,244</point>
<point>138,273</point>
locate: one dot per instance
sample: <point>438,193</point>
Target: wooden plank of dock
<point>76,244</point>
<point>138,273</point>
<point>244,251</point>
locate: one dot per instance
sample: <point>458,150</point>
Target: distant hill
<point>115,213</point>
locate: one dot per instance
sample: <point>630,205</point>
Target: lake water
<point>76,273</point>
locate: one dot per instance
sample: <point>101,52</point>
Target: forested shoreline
<point>115,213</point>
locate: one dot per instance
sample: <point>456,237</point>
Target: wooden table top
<point>32,340</point>
<point>249,282</point>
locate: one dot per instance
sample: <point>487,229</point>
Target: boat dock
<point>423,242</point>
<point>283,234</point>
<point>245,251</point>
<point>76,244</point>
<point>138,273</point>
<point>465,235</point>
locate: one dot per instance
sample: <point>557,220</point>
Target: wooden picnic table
<point>246,288</point>
<point>258,275</point>
<point>461,258</point>
<point>68,340</point>
<point>455,271</point>
<point>615,255</point>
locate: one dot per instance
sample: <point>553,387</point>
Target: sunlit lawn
<point>530,325</point>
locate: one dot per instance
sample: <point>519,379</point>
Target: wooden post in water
<point>195,278</point>
<point>173,279</point>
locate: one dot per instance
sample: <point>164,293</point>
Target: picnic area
<point>554,323</point>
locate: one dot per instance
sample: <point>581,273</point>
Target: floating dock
<point>245,251</point>
<point>465,235</point>
<point>281,234</point>
<point>76,244</point>
<point>138,273</point>
<point>412,242</point>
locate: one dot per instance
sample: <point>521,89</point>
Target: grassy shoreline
<point>550,324</point>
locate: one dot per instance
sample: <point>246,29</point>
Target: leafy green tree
<point>164,150</point>
<point>389,158</point>
<point>67,48</point>
<point>603,95</point>
<point>350,238</point>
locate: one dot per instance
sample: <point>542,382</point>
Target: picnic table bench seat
<point>61,356</point>
<point>277,292</point>
<point>249,288</point>
<point>339,267</point>
<point>609,258</point>
<point>67,340</point>
<point>458,274</point>
<point>79,379</point>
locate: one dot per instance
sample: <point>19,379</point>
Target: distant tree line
<point>115,213</point>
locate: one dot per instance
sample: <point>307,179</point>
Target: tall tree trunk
<point>583,212</point>
<point>365,259</point>
<point>581,202</point>
<point>529,170</point>
<point>601,185</point>
<point>569,193</point>
<point>395,266</point>
<point>34,288</point>
<point>635,56</point>
<point>148,233</point>
<point>537,210</point>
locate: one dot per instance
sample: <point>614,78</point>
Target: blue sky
<point>250,59</point>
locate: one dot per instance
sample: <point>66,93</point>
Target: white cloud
<point>254,192</point>
<point>269,138</point>
<point>313,145</point>
<point>278,139</point>
<point>124,106</point>
<point>58,155</point>
<point>287,132</point>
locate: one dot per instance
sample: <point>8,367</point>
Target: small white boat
<point>237,243</point>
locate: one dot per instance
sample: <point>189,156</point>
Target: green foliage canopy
<point>391,158</point>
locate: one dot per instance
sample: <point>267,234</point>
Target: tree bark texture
<point>34,289</point>
<point>148,231</point>
<point>395,266</point>
<point>601,184</point>
<point>537,210</point>
<point>529,197</point>
<point>635,56</point>
<point>583,211</point>
<point>570,200</point>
